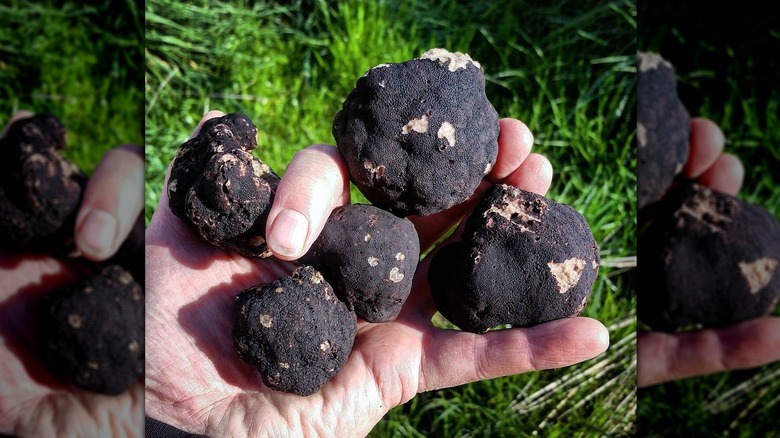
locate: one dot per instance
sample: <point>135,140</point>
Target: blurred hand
<point>196,382</point>
<point>664,357</point>
<point>32,401</point>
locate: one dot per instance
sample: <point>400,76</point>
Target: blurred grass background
<point>82,62</point>
<point>565,68</point>
<point>728,70</point>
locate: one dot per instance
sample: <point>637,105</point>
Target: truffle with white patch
<point>40,190</point>
<point>663,128</point>
<point>707,260</point>
<point>220,190</point>
<point>369,256</point>
<point>93,332</point>
<point>295,330</point>
<point>523,260</point>
<point>418,136</point>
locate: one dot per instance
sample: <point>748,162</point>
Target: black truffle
<point>295,330</point>
<point>419,136</point>
<point>708,260</point>
<point>93,332</point>
<point>40,191</point>
<point>220,190</point>
<point>663,128</point>
<point>524,260</point>
<point>369,256</point>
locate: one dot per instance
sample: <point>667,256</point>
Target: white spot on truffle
<point>373,261</point>
<point>396,275</point>
<point>456,60</point>
<point>93,365</point>
<point>488,168</point>
<point>417,125</point>
<point>367,237</point>
<point>567,274</point>
<point>516,212</point>
<point>376,171</point>
<point>74,320</point>
<point>259,168</point>
<point>88,290</point>
<point>279,290</point>
<point>325,346</point>
<point>758,273</point>
<point>125,278</point>
<point>595,265</point>
<point>649,61</point>
<point>316,278</point>
<point>400,257</point>
<point>447,131</point>
<point>134,346</point>
<point>704,207</point>
<point>284,365</point>
<point>641,134</point>
<point>266,321</point>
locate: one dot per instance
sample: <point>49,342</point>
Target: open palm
<point>196,381</point>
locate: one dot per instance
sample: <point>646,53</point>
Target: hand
<point>663,357</point>
<point>196,382</point>
<point>32,401</point>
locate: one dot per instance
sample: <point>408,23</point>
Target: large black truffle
<point>93,333</point>
<point>663,128</point>
<point>220,190</point>
<point>40,191</point>
<point>524,260</point>
<point>707,260</point>
<point>419,136</point>
<point>295,330</point>
<point>369,256</point>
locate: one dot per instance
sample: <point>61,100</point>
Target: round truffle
<point>663,128</point>
<point>93,332</point>
<point>220,190</point>
<point>709,260</point>
<point>418,136</point>
<point>369,256</point>
<point>39,189</point>
<point>295,330</point>
<point>523,260</point>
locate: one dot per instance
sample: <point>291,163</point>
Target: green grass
<point>82,63</point>
<point>566,69</point>
<point>725,75</point>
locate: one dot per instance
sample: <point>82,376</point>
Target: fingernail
<point>528,138</point>
<point>97,233</point>
<point>288,233</point>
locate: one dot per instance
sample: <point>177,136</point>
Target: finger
<point>534,175</point>
<point>706,142</point>
<point>23,114</point>
<point>664,357</point>
<point>316,181</point>
<point>113,199</point>
<point>454,358</point>
<point>725,175</point>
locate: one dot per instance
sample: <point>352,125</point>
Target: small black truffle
<point>663,128</point>
<point>707,260</point>
<point>369,256</point>
<point>524,260</point>
<point>220,190</point>
<point>40,191</point>
<point>295,330</point>
<point>93,333</point>
<point>419,136</point>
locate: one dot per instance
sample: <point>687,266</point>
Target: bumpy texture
<point>40,191</point>
<point>708,260</point>
<point>93,333</point>
<point>524,260</point>
<point>663,128</point>
<point>419,136</point>
<point>369,256</point>
<point>295,330</point>
<point>220,190</point>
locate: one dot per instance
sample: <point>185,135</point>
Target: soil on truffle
<point>708,260</point>
<point>523,260</point>
<point>40,191</point>
<point>93,332</point>
<point>295,330</point>
<point>663,128</point>
<point>369,256</point>
<point>220,190</point>
<point>418,136</point>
